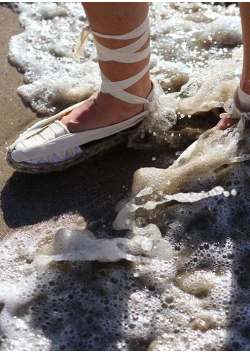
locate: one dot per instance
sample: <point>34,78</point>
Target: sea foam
<point>179,279</point>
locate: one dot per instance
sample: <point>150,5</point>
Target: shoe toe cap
<point>19,155</point>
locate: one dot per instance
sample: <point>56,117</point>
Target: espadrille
<point>234,108</point>
<point>233,111</point>
<point>49,146</point>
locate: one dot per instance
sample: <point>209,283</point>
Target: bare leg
<point>245,77</point>
<point>102,109</point>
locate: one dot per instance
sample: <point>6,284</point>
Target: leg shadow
<point>90,189</point>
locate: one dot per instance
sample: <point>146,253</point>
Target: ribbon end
<point>82,39</point>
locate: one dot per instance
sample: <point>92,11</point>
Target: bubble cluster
<point>210,288</point>
<point>197,299</point>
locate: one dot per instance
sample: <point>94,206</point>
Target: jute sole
<point>89,150</point>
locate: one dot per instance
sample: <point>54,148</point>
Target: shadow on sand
<point>91,189</point>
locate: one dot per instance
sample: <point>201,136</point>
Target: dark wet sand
<point>91,189</point>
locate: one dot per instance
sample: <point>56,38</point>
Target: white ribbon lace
<point>127,54</point>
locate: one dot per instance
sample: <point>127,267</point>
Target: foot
<point>100,110</point>
<point>225,123</point>
<point>241,98</point>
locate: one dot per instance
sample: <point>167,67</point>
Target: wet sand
<point>14,115</point>
<point>90,190</point>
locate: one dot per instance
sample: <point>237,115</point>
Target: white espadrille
<point>49,146</point>
<point>234,110</point>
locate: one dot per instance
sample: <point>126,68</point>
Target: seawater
<point>180,278</point>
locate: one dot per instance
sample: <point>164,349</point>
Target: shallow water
<point>179,279</point>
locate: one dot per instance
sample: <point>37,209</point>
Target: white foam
<point>80,245</point>
<point>188,287</point>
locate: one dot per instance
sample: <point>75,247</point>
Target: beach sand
<point>14,115</point>
<point>90,190</point>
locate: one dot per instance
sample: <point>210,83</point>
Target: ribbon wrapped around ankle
<point>127,54</point>
<point>82,40</point>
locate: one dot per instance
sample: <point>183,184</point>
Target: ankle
<point>119,71</point>
<point>244,99</point>
<point>123,109</point>
<point>245,85</point>
<point>142,89</point>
